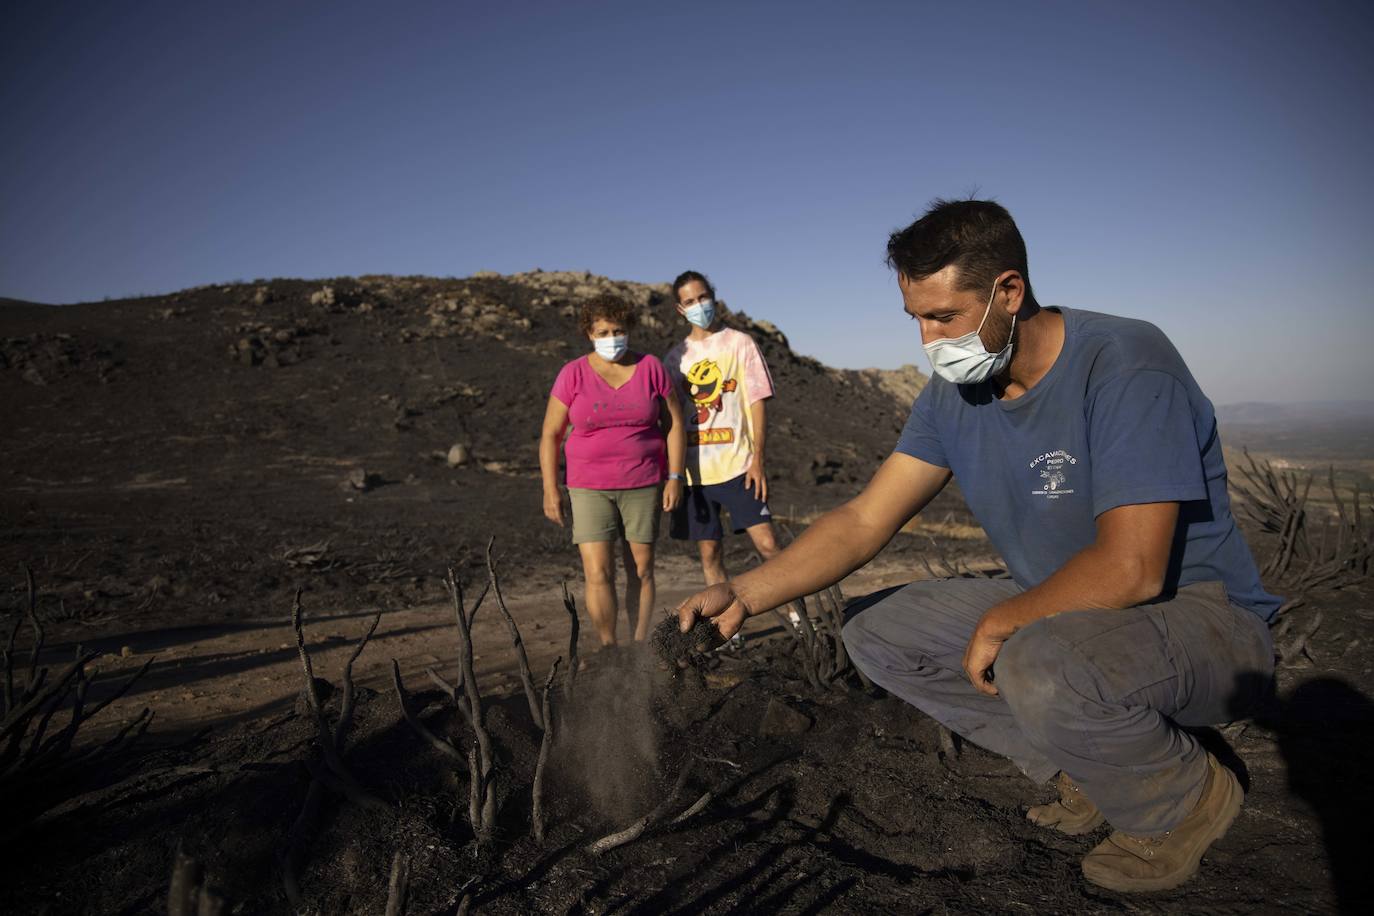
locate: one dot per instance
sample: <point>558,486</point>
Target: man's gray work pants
<point>1097,694</point>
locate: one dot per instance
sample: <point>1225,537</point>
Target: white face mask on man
<point>965,360</point>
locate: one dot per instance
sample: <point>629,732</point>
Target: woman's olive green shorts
<point>604,515</point>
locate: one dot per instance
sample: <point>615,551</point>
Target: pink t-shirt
<point>615,442</point>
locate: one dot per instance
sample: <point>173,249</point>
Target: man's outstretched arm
<point>1124,566</point>
<point>838,543</point>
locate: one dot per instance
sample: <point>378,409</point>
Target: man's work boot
<point>1123,862</point>
<point>1073,814</point>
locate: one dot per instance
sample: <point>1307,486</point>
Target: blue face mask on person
<point>965,360</point>
<point>703,314</point>
<point>611,348</point>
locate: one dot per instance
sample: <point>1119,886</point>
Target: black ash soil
<point>184,460</point>
<point>681,650</point>
<point>863,811</point>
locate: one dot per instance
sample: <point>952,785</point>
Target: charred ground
<point>191,454</point>
<point>189,459</point>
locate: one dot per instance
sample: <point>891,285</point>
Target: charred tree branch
<point>443,745</point>
<point>537,789</point>
<point>636,830</point>
<point>526,679</point>
<point>570,606</point>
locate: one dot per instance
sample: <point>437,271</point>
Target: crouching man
<point>1091,458</point>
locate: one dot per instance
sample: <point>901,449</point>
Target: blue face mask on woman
<point>702,314</point>
<point>611,348</point>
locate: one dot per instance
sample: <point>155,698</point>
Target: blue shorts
<point>698,518</point>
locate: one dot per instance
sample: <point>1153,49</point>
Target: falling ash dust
<point>610,739</point>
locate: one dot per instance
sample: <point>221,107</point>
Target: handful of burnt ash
<point>684,650</point>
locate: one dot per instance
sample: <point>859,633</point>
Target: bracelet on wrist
<point>673,475</point>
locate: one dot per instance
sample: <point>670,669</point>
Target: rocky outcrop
<point>901,384</point>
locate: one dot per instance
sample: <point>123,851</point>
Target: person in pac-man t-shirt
<point>723,383</point>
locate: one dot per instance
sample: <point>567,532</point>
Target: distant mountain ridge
<point>1263,412</point>
<point>1325,431</point>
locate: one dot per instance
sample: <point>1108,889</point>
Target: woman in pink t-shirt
<point>614,404</point>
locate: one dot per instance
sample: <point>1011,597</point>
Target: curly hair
<point>606,307</point>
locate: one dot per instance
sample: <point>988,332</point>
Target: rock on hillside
<point>902,384</point>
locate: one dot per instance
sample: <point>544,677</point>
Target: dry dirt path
<point>220,674</point>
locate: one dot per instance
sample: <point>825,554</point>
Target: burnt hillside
<point>214,443</point>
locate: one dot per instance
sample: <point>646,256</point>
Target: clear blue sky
<point>1202,165</point>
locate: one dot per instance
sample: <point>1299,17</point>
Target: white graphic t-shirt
<point>717,380</point>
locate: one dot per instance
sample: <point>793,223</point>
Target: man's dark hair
<point>977,236</point>
<point>687,276</point>
<point>608,307</point>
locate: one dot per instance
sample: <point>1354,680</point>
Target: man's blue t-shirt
<point>1118,420</point>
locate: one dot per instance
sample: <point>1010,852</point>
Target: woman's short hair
<point>605,307</point>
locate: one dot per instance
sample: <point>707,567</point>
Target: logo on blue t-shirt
<point>1054,468</point>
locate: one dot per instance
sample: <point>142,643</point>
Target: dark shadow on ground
<point>150,640</point>
<point>188,670</point>
<point>1326,735</point>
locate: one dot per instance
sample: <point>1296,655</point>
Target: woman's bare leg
<point>639,587</point>
<point>598,572</point>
